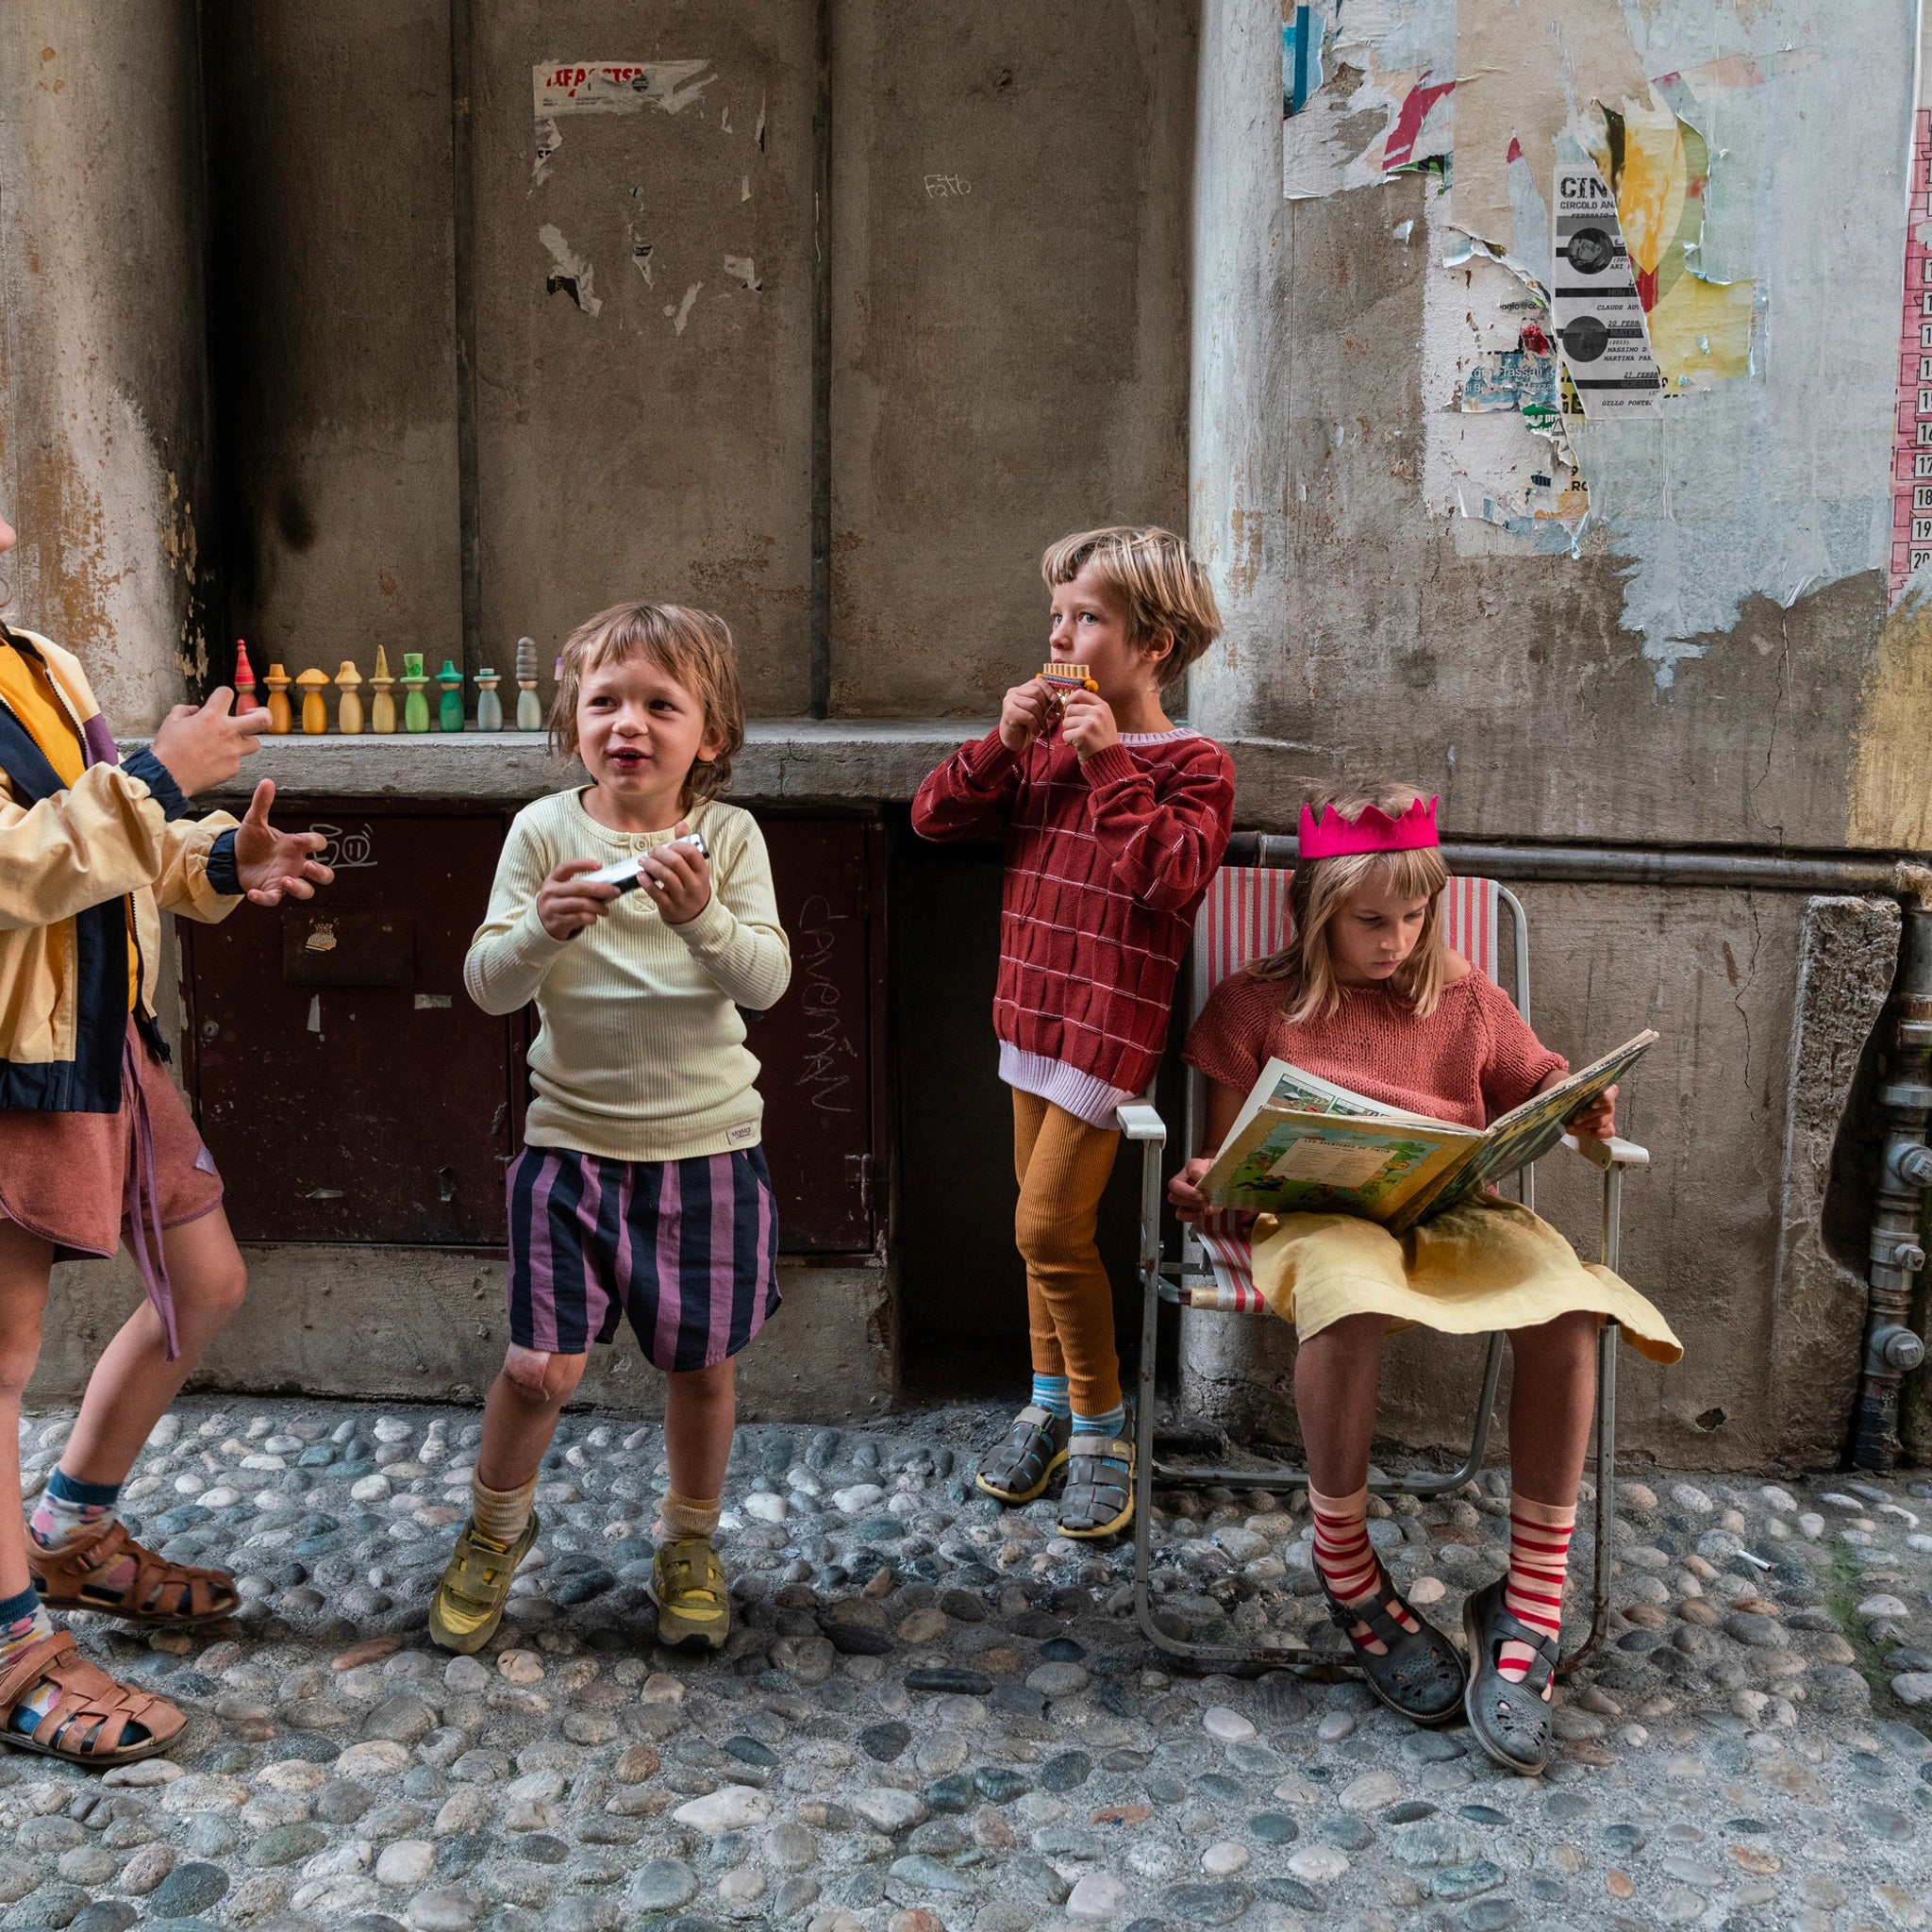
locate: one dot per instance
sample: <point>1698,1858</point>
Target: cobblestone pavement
<point>936,1716</point>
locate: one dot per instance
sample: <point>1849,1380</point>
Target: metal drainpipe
<point>1893,1348</point>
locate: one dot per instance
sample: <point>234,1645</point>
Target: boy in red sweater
<point>1114,821</point>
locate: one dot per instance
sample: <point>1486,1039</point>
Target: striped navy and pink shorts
<point>687,1249</point>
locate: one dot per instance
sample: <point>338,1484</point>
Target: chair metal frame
<point>1140,1122</point>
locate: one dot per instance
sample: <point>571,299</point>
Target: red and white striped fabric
<point>1244,918</point>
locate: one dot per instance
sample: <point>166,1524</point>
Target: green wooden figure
<point>415,706</point>
<point>449,712</point>
<point>488,706</point>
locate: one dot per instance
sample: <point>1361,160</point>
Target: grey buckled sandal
<point>1099,1497</point>
<point>1418,1673</point>
<point>1022,1466</point>
<point>1512,1720</point>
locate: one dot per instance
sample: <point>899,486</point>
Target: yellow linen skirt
<point>1485,1264</point>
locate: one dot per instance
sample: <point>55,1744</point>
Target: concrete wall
<point>1009,315</point>
<point>428,1324</point>
<point>1718,663</point>
<point>103,452</point>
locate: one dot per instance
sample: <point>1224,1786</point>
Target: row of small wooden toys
<point>382,708</point>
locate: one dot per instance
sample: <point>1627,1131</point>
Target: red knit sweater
<point>1472,1058</point>
<point>1107,864</point>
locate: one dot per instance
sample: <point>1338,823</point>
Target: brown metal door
<point>346,1085</point>
<point>818,1047</point>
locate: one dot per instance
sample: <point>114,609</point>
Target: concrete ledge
<point>427,1325</point>
<point>785,761</point>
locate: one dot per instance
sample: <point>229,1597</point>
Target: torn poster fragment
<point>1375,79</point>
<point>1911,447</point>
<point>1301,56</point>
<point>1658,167</point>
<point>617,86</point>
<point>570,274</point>
<point>741,266</point>
<point>1595,313</point>
<point>679,312</point>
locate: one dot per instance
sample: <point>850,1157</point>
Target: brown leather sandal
<point>89,1723</point>
<point>74,1577</point>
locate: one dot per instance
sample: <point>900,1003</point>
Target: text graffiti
<point>829,1047</point>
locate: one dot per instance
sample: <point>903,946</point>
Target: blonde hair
<point>1155,575</point>
<point>692,646</point>
<point>1321,888</point>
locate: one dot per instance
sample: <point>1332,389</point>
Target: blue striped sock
<point>1053,1393</point>
<point>1110,1422</point>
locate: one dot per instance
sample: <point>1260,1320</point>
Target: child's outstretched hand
<point>272,865</point>
<point>204,744</point>
<point>1087,723</point>
<point>678,878</point>
<point>1027,714</point>
<point>1598,1121</point>
<point>566,905</point>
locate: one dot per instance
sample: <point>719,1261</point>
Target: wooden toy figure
<point>382,708</point>
<point>245,700</point>
<point>282,721</point>
<point>415,706</point>
<point>449,710</point>
<point>349,706</point>
<point>529,709</point>
<point>315,713</point>
<point>488,706</point>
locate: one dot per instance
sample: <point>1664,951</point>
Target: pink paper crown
<point>1331,836</point>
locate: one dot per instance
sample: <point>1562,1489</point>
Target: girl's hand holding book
<point>1598,1121</point>
<point>1184,1191</point>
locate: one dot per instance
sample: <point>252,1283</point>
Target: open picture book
<point>1302,1145</point>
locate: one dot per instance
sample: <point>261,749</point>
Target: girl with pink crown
<point>1367,993</point>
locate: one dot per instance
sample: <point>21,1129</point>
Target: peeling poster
<point>1594,309</point>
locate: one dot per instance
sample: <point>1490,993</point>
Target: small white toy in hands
<point>624,874</point>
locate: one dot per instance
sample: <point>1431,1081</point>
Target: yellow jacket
<point>69,858</point>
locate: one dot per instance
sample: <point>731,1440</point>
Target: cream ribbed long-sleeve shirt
<point>641,1053</point>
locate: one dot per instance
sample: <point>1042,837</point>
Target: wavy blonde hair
<point>1156,576</point>
<point>1323,887</point>
<point>692,646</point>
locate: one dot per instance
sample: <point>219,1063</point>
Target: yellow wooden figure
<point>382,706</point>
<point>281,720</point>
<point>312,683</point>
<point>349,706</point>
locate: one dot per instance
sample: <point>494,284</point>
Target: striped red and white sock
<point>1347,1560</point>
<point>1539,1537</point>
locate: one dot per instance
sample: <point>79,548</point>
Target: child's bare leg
<point>699,1412</point>
<point>1551,1399</point>
<point>25,1259</point>
<point>519,1419</point>
<point>134,1382</point>
<point>1336,1378</point>
<point>1552,1403</point>
<point>520,1414</point>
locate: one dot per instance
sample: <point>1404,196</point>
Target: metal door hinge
<point>859,1169</point>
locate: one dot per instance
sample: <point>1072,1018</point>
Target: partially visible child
<point>642,1191</point>
<point>1115,820</point>
<point>97,1148</point>
<point>1368,994</point>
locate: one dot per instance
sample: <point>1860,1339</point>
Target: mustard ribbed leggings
<point>1062,1165</point>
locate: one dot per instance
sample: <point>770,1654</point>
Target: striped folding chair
<point>1244,918</point>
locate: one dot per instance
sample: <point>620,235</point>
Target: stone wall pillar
<point>103,450</point>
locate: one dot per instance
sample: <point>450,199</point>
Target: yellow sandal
<point>687,1587</point>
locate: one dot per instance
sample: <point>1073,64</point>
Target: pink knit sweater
<point>1472,1058</point>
